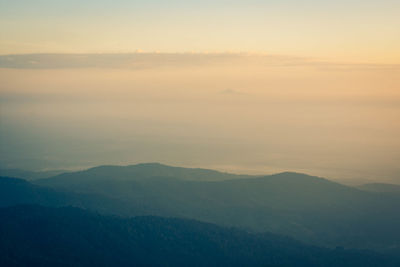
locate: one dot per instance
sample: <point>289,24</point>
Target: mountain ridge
<point>152,170</point>
<point>308,208</point>
<point>33,235</point>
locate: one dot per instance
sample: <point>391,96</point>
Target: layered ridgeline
<point>307,208</point>
<point>15,191</point>
<point>29,175</point>
<point>142,171</point>
<point>39,236</point>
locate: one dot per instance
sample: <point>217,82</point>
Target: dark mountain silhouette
<point>14,191</point>
<point>17,191</point>
<point>39,236</point>
<point>141,171</point>
<point>308,208</point>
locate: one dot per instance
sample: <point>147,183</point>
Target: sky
<point>240,86</point>
<point>342,30</point>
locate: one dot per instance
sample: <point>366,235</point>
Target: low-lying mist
<point>233,112</point>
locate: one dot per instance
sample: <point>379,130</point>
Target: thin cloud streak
<point>141,60</point>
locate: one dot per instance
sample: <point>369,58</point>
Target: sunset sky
<point>241,86</point>
<point>342,30</point>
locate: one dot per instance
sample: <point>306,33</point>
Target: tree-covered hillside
<point>40,236</point>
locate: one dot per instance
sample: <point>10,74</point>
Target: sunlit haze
<point>240,86</point>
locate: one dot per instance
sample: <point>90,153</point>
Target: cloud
<point>137,60</point>
<point>144,60</point>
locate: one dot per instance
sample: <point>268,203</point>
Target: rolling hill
<point>311,209</point>
<point>40,236</point>
<point>308,208</point>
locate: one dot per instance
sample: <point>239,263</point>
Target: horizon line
<point>303,59</point>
